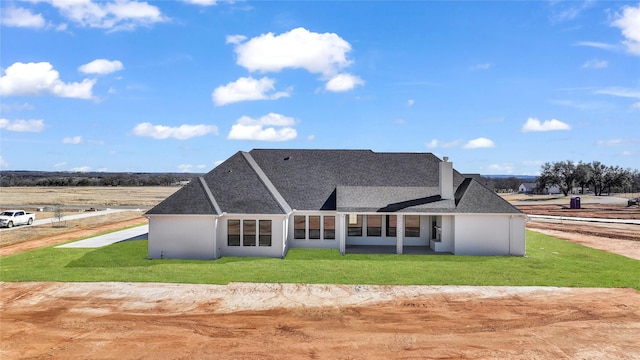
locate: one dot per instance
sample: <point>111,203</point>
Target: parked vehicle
<point>633,201</point>
<point>11,218</point>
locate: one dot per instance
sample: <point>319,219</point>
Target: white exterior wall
<point>278,230</point>
<point>181,237</point>
<point>518,235</point>
<point>447,234</point>
<point>488,235</point>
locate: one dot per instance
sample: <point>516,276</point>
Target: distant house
<point>527,188</point>
<point>532,188</point>
<point>264,202</point>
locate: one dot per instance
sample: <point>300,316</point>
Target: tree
<point>583,175</point>
<point>616,177</point>
<point>561,173</point>
<point>598,170</point>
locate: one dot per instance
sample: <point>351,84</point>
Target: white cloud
<point>568,10</point>
<point>635,105</point>
<point>189,167</point>
<point>410,102</point>
<point>532,162</point>
<point>485,66</point>
<point>33,79</point>
<point>343,82</point>
<point>432,144</point>
<point>245,89</point>
<point>21,17</point>
<point>72,140</point>
<point>19,125</point>
<point>112,15</point>
<point>299,48</point>
<point>101,66</point>
<point>201,2</point>
<point>619,91</point>
<point>504,168</point>
<point>81,169</point>
<point>60,164</point>
<point>611,142</point>
<point>479,143</point>
<point>264,128</point>
<point>629,23</point>
<point>3,163</point>
<point>4,107</point>
<point>435,143</point>
<point>597,45</point>
<point>182,132</point>
<point>235,39</point>
<point>595,64</point>
<point>628,153</point>
<point>534,125</point>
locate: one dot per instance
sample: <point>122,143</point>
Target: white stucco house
<point>264,202</point>
<point>531,188</point>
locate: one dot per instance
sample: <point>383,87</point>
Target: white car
<point>11,218</point>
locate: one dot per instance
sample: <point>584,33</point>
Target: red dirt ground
<point>174,321</point>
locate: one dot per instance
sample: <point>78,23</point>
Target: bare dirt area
<point>621,239</point>
<point>600,211</point>
<point>289,321</point>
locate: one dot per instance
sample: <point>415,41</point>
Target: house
<point>532,188</point>
<point>264,202</point>
<point>527,188</point>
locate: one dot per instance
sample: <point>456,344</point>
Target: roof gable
<point>191,199</point>
<point>473,197</point>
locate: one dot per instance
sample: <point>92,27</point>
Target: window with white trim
<point>314,227</point>
<point>412,226</point>
<point>251,232</point>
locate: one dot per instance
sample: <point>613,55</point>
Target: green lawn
<point>549,262</point>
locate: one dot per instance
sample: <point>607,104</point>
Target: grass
<point>549,262</point>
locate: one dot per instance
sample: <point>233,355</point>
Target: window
<point>355,225</point>
<point>249,233</point>
<point>412,226</point>
<point>329,228</point>
<point>314,227</point>
<point>391,225</point>
<point>300,227</point>
<point>265,233</point>
<point>233,232</point>
<point>374,225</point>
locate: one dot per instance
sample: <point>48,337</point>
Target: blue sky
<point>173,86</point>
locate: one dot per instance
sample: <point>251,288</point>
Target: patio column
<point>399,233</point>
<point>341,232</point>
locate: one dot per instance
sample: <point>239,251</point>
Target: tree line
<point>595,176</point>
<point>44,178</point>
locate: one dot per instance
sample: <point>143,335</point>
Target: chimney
<point>446,179</point>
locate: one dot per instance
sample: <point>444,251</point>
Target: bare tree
<point>58,216</point>
<point>561,173</point>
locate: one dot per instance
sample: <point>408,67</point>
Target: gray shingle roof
<point>344,180</point>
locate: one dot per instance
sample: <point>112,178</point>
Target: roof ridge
<point>207,190</point>
<point>265,180</point>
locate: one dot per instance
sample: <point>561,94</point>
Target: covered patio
<point>389,249</point>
